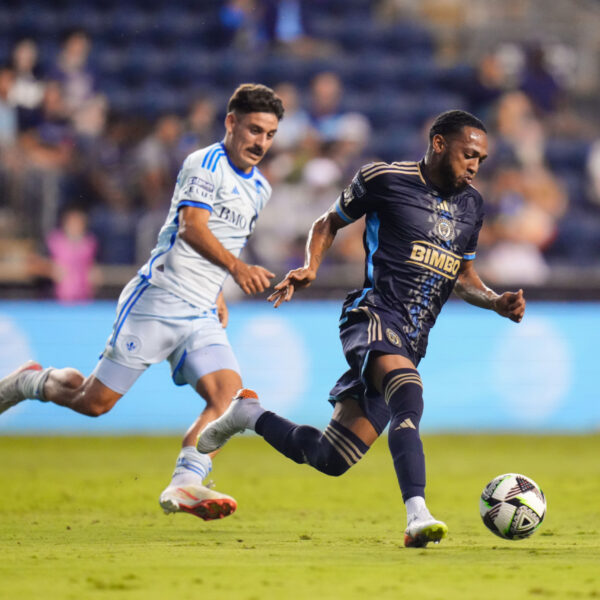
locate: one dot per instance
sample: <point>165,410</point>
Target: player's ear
<point>230,122</point>
<point>438,143</point>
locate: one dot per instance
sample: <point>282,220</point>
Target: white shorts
<point>153,325</point>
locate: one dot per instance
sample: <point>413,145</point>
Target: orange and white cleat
<point>197,500</point>
<point>10,392</point>
<point>241,414</point>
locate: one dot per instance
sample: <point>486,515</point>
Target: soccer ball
<point>512,506</point>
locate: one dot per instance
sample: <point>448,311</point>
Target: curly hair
<point>255,97</point>
<point>452,122</point>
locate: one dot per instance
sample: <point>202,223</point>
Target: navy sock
<point>403,392</point>
<point>332,451</point>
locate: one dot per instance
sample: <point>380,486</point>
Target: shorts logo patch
<point>132,344</point>
<point>444,229</point>
<point>393,337</point>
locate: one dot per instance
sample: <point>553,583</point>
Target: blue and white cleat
<point>234,420</point>
<point>422,531</point>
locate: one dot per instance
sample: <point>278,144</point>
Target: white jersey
<point>209,180</point>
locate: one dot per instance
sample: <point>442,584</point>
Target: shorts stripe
<point>374,331</point>
<point>127,309</point>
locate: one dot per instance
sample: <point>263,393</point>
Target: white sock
<point>416,507</point>
<point>254,411</point>
<point>191,467</point>
<point>31,383</point>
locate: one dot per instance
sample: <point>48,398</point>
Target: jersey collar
<point>238,171</point>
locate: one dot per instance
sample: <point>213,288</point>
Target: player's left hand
<point>511,305</point>
<point>297,278</point>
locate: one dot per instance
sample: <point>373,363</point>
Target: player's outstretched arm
<point>471,289</point>
<point>320,237</point>
<point>193,229</point>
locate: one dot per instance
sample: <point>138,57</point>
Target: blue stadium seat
<point>396,144</point>
<point>562,153</point>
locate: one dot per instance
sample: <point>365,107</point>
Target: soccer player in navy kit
<point>422,224</point>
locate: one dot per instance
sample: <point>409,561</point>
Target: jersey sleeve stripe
<point>208,207</point>
<point>371,167</point>
<point>388,169</point>
<point>469,255</point>
<point>209,155</point>
<point>342,214</point>
<point>212,165</point>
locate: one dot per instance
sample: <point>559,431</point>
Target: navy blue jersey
<point>415,241</point>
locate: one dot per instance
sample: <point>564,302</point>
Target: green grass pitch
<point>79,519</point>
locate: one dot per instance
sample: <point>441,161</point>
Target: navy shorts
<point>362,331</point>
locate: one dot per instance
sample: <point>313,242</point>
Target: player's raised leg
<point>65,387</point>
<point>332,451</point>
<point>401,387</point>
<point>186,492</point>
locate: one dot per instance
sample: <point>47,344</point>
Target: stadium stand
<point>398,62</point>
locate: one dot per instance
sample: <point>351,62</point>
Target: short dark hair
<point>452,122</point>
<point>255,97</point>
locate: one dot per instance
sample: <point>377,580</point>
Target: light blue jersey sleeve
<point>198,181</point>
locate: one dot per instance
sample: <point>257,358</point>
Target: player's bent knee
<point>94,407</point>
<point>94,403</point>
<point>70,378</point>
<point>334,468</point>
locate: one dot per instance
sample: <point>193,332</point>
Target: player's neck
<point>432,177</point>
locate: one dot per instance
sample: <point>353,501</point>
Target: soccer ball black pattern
<point>512,506</point>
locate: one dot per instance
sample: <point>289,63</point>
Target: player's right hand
<point>253,279</point>
<point>284,290</point>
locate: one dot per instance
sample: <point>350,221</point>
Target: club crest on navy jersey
<point>444,229</point>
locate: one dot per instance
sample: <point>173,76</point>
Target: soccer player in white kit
<point>174,309</point>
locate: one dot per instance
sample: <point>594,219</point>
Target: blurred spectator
<point>240,25</point>
<point>48,146</point>
<point>348,151</point>
<point>325,104</point>
<point>326,113</point>
<point>527,206</point>
<point>294,127</point>
<point>157,163</point>
<point>200,127</point>
<point>72,70</point>
<point>287,28</point>
<point>48,137</point>
<point>8,113</point>
<point>538,83</point>
<point>593,172</point>
<point>521,136</point>
<point>73,251</point>
<point>489,82</point>
<point>90,120</point>
<point>9,159</point>
<point>28,89</point>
